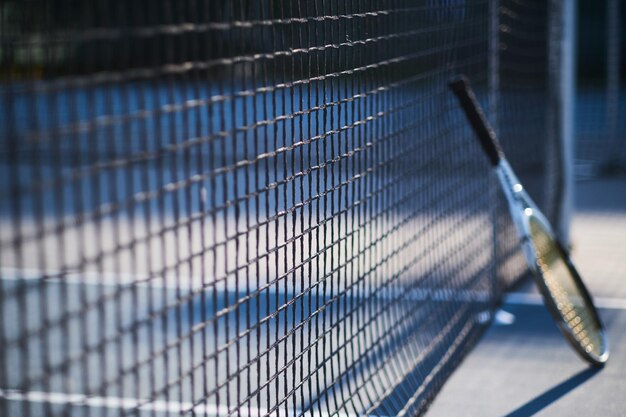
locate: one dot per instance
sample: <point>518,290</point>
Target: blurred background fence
<point>600,124</point>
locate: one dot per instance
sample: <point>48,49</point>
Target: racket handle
<point>486,136</point>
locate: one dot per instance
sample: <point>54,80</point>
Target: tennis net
<point>259,208</point>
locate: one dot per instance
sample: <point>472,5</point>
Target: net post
<point>568,97</point>
<point>559,144</point>
<point>493,85</point>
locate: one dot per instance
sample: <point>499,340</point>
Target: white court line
<point>80,400</point>
<point>523,298</point>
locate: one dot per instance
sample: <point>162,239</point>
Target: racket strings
<point>569,301</point>
<point>574,314</point>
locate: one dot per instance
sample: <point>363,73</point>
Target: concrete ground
<point>526,368</point>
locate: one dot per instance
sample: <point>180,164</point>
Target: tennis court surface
<point>268,208</point>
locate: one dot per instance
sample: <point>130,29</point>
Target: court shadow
<point>538,403</point>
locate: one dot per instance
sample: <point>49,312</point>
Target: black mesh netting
<point>257,208</point>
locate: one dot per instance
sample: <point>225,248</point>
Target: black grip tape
<point>486,136</point>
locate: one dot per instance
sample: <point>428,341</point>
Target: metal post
<point>568,94</point>
<point>493,89</point>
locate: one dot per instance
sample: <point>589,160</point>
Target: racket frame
<point>522,208</point>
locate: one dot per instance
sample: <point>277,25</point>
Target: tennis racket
<point>560,284</point>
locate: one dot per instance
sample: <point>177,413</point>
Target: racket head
<point>560,284</point>
<point>564,292</point>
